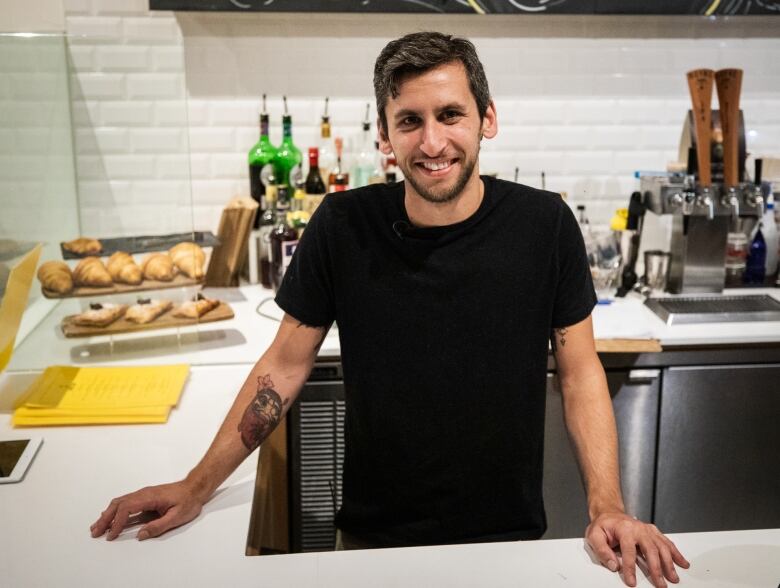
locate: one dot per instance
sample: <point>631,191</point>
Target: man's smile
<point>436,168</point>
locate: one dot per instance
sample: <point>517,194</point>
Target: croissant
<point>158,266</point>
<point>91,272</point>
<point>55,276</point>
<point>83,246</point>
<point>123,268</point>
<point>189,258</point>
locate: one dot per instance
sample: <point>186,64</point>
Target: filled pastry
<point>146,310</point>
<point>100,315</point>
<point>189,258</point>
<point>123,269</point>
<point>196,308</point>
<point>158,266</point>
<point>90,271</point>
<point>56,276</point>
<point>83,246</point>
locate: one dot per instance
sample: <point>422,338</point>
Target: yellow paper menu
<point>14,302</point>
<point>67,395</point>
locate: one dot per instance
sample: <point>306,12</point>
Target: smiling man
<point>447,288</point>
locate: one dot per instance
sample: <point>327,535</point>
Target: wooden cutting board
<point>179,281</point>
<point>222,312</point>
<point>628,346</point>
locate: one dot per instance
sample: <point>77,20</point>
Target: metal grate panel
<point>320,460</point>
<point>715,309</point>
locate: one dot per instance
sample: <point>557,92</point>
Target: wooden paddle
<point>729,84</point>
<point>700,85</point>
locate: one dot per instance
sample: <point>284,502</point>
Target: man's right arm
<point>263,401</point>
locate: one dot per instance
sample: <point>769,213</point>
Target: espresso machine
<point>697,207</point>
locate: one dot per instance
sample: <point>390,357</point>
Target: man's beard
<point>445,195</point>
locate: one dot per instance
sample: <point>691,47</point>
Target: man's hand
<point>176,504</point>
<point>612,531</point>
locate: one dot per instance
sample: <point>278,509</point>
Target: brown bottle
<point>284,240</point>
<point>338,177</point>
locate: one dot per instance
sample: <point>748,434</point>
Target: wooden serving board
<point>222,312</point>
<point>179,281</point>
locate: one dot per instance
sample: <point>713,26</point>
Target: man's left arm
<point>587,408</point>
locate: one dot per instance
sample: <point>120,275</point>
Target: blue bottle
<point>756,260</point>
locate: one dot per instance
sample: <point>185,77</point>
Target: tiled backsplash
<point>588,111</point>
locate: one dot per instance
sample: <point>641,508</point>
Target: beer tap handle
<point>706,200</point>
<point>734,202</point>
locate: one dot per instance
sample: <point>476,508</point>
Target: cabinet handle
<point>643,375</point>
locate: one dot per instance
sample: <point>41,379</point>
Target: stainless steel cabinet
<point>719,448</point>
<point>635,396</point>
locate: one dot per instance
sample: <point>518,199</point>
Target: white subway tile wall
<point>159,98</point>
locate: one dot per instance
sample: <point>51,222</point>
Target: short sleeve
<point>306,292</point>
<point>575,296</point>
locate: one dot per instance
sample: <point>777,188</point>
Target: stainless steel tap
<point>730,199</point>
<point>755,199</point>
<point>705,200</point>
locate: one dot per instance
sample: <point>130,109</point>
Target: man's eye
<point>409,121</point>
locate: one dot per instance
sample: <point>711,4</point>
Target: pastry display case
<point>117,262</point>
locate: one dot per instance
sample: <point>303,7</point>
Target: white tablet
<point>16,455</point>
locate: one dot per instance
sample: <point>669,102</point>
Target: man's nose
<point>433,139</point>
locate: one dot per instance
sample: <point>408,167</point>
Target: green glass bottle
<point>288,157</point>
<point>261,165</point>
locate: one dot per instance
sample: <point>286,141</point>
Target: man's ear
<point>384,142</point>
<point>490,122</point>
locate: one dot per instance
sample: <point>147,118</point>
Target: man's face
<point>434,130</point>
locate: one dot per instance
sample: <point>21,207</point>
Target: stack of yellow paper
<point>65,395</point>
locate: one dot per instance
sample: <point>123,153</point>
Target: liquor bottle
<point>363,166</point>
<point>267,220</point>
<point>380,164</point>
<point>755,272</point>
<point>315,187</point>
<point>261,158</point>
<point>391,170</point>
<point>327,148</point>
<point>287,162</point>
<point>284,240</point>
<point>770,236</point>
<point>338,173</point>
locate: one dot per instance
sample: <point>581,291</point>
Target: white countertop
<point>44,522</point>
<point>243,339</point>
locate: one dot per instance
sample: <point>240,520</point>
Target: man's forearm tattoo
<point>262,415</point>
<point>558,337</point>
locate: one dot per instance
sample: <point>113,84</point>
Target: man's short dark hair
<point>417,53</point>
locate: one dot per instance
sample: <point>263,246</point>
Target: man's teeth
<point>433,166</point>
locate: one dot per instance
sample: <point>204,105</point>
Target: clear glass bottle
<point>363,166</point>
<point>326,146</point>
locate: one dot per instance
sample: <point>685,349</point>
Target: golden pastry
<point>90,271</point>
<point>55,276</point>
<point>123,268</point>
<point>100,315</point>
<point>146,310</point>
<point>83,246</point>
<point>158,266</point>
<point>196,308</point>
<point>189,258</point>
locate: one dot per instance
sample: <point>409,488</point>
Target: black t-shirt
<point>444,339</point>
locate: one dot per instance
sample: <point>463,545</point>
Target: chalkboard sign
<point>700,7</point>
